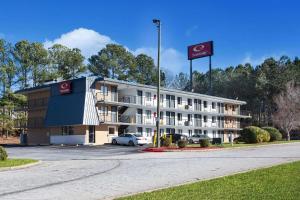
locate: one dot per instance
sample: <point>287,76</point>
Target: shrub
<point>275,135</point>
<point>3,153</point>
<point>182,143</point>
<point>253,134</point>
<point>204,143</point>
<point>166,142</point>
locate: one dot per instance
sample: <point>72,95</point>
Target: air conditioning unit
<point>187,107</point>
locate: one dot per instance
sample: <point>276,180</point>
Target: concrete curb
<point>20,167</point>
<point>259,146</point>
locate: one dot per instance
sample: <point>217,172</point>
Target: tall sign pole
<point>158,25</point>
<point>191,75</point>
<point>198,51</point>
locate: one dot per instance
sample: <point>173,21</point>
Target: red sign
<point>200,50</point>
<point>65,87</point>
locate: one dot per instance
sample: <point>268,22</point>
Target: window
<point>205,104</point>
<point>226,108</point>
<point>198,131</point>
<point>104,89</point>
<point>170,130</point>
<point>140,130</point>
<point>170,101</point>
<point>213,119</point>
<point>190,133</point>
<point>205,118</point>
<point>104,110</point>
<point>67,130</point>
<point>213,105</point>
<point>205,132</point>
<point>179,100</point>
<point>233,108</point>
<point>111,130</point>
<point>148,96</point>
<point>179,131</point>
<point>214,134</point>
<point>179,116</point>
<point>197,104</point>
<point>190,102</point>
<point>148,114</point>
<point>149,132</point>
<point>161,98</point>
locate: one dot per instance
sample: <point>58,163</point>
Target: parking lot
<point>109,171</point>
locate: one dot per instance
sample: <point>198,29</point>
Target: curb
<point>20,167</point>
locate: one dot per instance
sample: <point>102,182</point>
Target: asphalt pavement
<point>109,171</point>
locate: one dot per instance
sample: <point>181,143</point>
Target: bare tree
<point>287,115</point>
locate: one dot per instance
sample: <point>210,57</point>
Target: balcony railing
<point>110,117</point>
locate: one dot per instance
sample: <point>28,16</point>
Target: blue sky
<point>242,31</point>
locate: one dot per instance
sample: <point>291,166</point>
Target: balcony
<point>113,97</point>
<point>108,118</point>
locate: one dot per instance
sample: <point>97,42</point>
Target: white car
<point>141,140</point>
<point>129,139</point>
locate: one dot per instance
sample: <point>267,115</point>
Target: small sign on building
<point>65,87</point>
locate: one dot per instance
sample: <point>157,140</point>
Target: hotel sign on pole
<point>200,50</point>
<point>65,87</point>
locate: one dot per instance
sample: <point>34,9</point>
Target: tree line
<point>28,64</point>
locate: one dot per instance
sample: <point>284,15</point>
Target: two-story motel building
<point>92,110</point>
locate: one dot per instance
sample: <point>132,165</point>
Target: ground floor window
<point>214,134</point>
<point>149,132</point>
<point>67,130</point>
<point>190,133</point>
<point>140,130</point>
<point>179,131</point>
<point>111,130</point>
<point>198,131</point>
<point>170,130</point>
<point>205,132</point>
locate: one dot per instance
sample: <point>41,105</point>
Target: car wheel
<point>191,141</point>
<point>114,142</point>
<point>130,143</point>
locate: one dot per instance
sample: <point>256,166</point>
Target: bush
<point>182,143</point>
<point>166,142</point>
<point>3,154</point>
<point>204,143</point>
<point>253,134</point>
<point>275,135</point>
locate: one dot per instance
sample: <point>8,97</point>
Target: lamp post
<point>158,25</point>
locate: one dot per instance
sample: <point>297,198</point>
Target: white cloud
<point>171,59</point>
<point>88,41</point>
<point>91,42</point>
<point>259,60</point>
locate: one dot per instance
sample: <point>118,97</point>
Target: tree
<point>114,61</point>
<point>39,60</point>
<point>22,54</point>
<point>7,66</point>
<point>180,82</point>
<point>287,115</point>
<point>144,73</point>
<point>68,63</point>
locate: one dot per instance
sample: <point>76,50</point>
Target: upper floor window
<point>190,102</point>
<point>213,119</point>
<point>205,104</point>
<point>104,110</point>
<point>179,100</point>
<point>205,118</point>
<point>213,105</point>
<point>104,89</point>
<point>179,116</point>
<point>148,96</point>
<point>148,114</point>
<point>226,107</point>
<point>233,108</point>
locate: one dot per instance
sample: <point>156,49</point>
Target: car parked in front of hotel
<point>196,138</point>
<point>130,139</point>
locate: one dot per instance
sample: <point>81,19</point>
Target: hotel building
<point>92,110</point>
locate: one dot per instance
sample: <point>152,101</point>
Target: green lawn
<point>15,162</point>
<point>279,182</point>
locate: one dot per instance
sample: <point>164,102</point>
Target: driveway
<point>103,173</point>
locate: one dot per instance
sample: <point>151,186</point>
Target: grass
<point>228,145</point>
<point>15,162</point>
<point>278,182</point>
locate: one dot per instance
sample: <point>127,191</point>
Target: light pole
<point>158,25</point>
